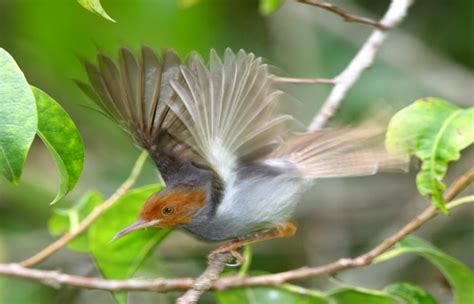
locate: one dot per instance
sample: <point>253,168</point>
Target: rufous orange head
<point>172,207</point>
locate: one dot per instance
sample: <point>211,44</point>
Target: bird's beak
<point>139,224</point>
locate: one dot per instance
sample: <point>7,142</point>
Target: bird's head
<point>172,207</point>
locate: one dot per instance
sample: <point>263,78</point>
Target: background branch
<point>344,14</point>
<point>362,61</point>
<point>55,278</point>
<point>91,217</point>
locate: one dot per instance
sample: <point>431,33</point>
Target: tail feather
<point>340,153</point>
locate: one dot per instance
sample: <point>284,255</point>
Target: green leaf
<point>17,118</point>
<point>267,7</point>
<point>95,7</point>
<point>435,131</point>
<point>60,135</point>
<point>66,220</point>
<point>411,294</point>
<point>121,258</point>
<point>360,295</point>
<point>266,295</point>
<point>459,276</point>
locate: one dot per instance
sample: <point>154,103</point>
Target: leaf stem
<point>91,218</point>
<point>247,261</point>
<point>460,201</point>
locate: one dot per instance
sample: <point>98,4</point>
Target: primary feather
<point>230,108</point>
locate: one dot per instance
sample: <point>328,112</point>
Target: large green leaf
<point>410,294</point>
<point>95,7</point>
<point>121,258</point>
<point>435,131</point>
<point>362,296</point>
<point>17,118</point>
<point>459,276</point>
<point>60,135</point>
<point>66,220</point>
<point>266,7</point>
<point>266,295</point>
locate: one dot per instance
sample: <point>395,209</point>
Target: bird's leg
<point>284,229</point>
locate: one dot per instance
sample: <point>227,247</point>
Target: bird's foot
<point>284,229</point>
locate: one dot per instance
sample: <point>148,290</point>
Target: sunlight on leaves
<point>65,220</point>
<point>60,135</point>
<point>267,7</point>
<point>435,131</point>
<point>18,118</point>
<point>121,258</point>
<point>95,7</point>
<point>459,276</point>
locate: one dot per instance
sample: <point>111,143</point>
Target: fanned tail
<point>340,153</point>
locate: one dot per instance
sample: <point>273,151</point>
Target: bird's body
<point>265,196</point>
<point>221,144</point>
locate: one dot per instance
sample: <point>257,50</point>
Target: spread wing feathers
<point>136,92</point>
<point>231,109</point>
<point>339,153</point>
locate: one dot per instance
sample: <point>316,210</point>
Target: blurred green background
<point>432,53</point>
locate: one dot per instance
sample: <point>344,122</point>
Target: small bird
<point>232,168</point>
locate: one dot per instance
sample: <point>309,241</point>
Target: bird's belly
<point>253,204</point>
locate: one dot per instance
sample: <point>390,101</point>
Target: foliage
<point>267,7</point>
<point>18,118</point>
<point>435,131</point>
<point>459,276</point>
<point>66,220</point>
<point>60,135</point>
<point>95,7</point>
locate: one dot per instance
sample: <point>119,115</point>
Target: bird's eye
<point>167,210</point>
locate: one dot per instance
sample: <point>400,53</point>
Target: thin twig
<point>68,237</point>
<point>55,278</point>
<point>204,282</point>
<point>362,61</point>
<point>344,14</point>
<point>304,80</point>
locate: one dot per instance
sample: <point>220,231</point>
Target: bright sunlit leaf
<point>459,276</point>
<point>59,133</point>
<point>435,131</point>
<point>17,118</point>
<point>96,7</point>
<point>267,7</point>
<point>121,258</point>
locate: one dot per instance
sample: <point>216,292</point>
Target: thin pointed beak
<point>139,224</point>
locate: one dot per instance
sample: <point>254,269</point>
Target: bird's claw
<point>239,258</point>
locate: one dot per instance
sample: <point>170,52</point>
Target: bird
<point>233,166</point>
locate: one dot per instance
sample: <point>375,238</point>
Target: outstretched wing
<point>136,92</point>
<point>338,153</point>
<point>231,109</point>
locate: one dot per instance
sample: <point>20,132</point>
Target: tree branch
<point>362,61</point>
<point>204,282</point>
<point>55,278</point>
<point>304,80</point>
<point>68,237</point>
<point>344,14</point>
